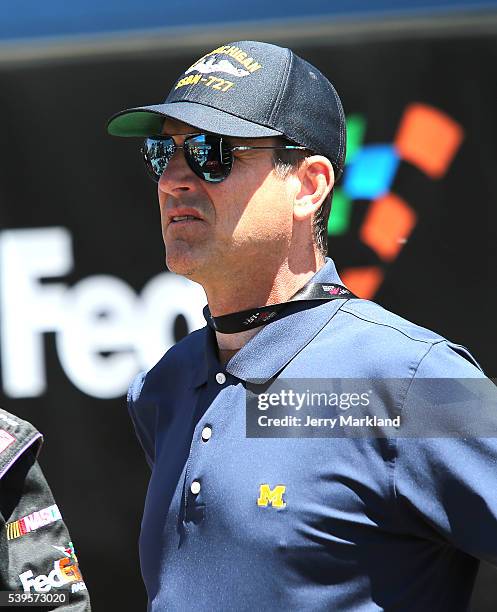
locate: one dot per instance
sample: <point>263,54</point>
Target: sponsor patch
<point>78,586</point>
<point>65,571</point>
<point>33,521</point>
<point>5,440</point>
<point>67,551</point>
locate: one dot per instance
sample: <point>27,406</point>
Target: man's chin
<point>183,264</point>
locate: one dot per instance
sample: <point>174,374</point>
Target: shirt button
<point>221,378</point>
<point>206,433</point>
<point>195,487</point>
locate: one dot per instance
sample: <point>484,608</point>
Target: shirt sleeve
<point>446,486</point>
<point>36,551</point>
<point>143,417</point>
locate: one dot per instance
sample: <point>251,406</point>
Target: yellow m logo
<point>271,496</point>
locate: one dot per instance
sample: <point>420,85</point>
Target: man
<point>37,555</point>
<point>236,521</point>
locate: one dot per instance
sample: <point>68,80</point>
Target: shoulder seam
<point>425,340</point>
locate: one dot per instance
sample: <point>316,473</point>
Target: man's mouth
<point>184,218</point>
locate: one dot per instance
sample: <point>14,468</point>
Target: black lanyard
<point>254,317</point>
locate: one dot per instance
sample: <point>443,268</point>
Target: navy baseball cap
<point>249,89</point>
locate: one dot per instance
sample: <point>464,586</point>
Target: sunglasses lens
<point>156,154</point>
<point>208,157</point>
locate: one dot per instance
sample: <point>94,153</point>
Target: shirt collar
<point>277,343</point>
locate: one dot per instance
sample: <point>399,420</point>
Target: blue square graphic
<point>371,172</point>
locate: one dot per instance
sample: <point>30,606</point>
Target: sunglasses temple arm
<point>280,147</point>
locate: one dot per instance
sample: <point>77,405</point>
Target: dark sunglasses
<point>208,155</point>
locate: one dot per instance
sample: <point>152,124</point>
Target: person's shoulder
<point>397,345</point>
<point>371,317</point>
<point>173,366</point>
<point>17,436</point>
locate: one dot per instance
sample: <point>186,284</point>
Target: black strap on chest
<point>254,317</point>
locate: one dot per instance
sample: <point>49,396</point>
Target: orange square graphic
<point>364,282</point>
<point>387,225</point>
<point>428,139</point>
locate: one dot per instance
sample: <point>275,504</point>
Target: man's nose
<point>178,175</point>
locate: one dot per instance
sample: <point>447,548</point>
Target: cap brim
<point>148,120</point>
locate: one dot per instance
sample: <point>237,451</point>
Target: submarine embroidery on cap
<point>213,62</point>
<point>223,65</point>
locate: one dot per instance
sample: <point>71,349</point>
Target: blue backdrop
<point>52,18</point>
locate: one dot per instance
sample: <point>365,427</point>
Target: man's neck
<point>254,292</point>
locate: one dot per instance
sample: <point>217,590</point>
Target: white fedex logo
<point>64,571</point>
<point>104,331</point>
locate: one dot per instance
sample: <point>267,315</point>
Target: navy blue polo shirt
<point>365,524</point>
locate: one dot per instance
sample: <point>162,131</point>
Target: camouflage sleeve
<point>36,552</point>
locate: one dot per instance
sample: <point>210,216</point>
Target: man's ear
<point>316,177</point>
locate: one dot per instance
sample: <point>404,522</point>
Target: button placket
<point>195,487</point>
<point>190,468</point>
<point>191,503</point>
